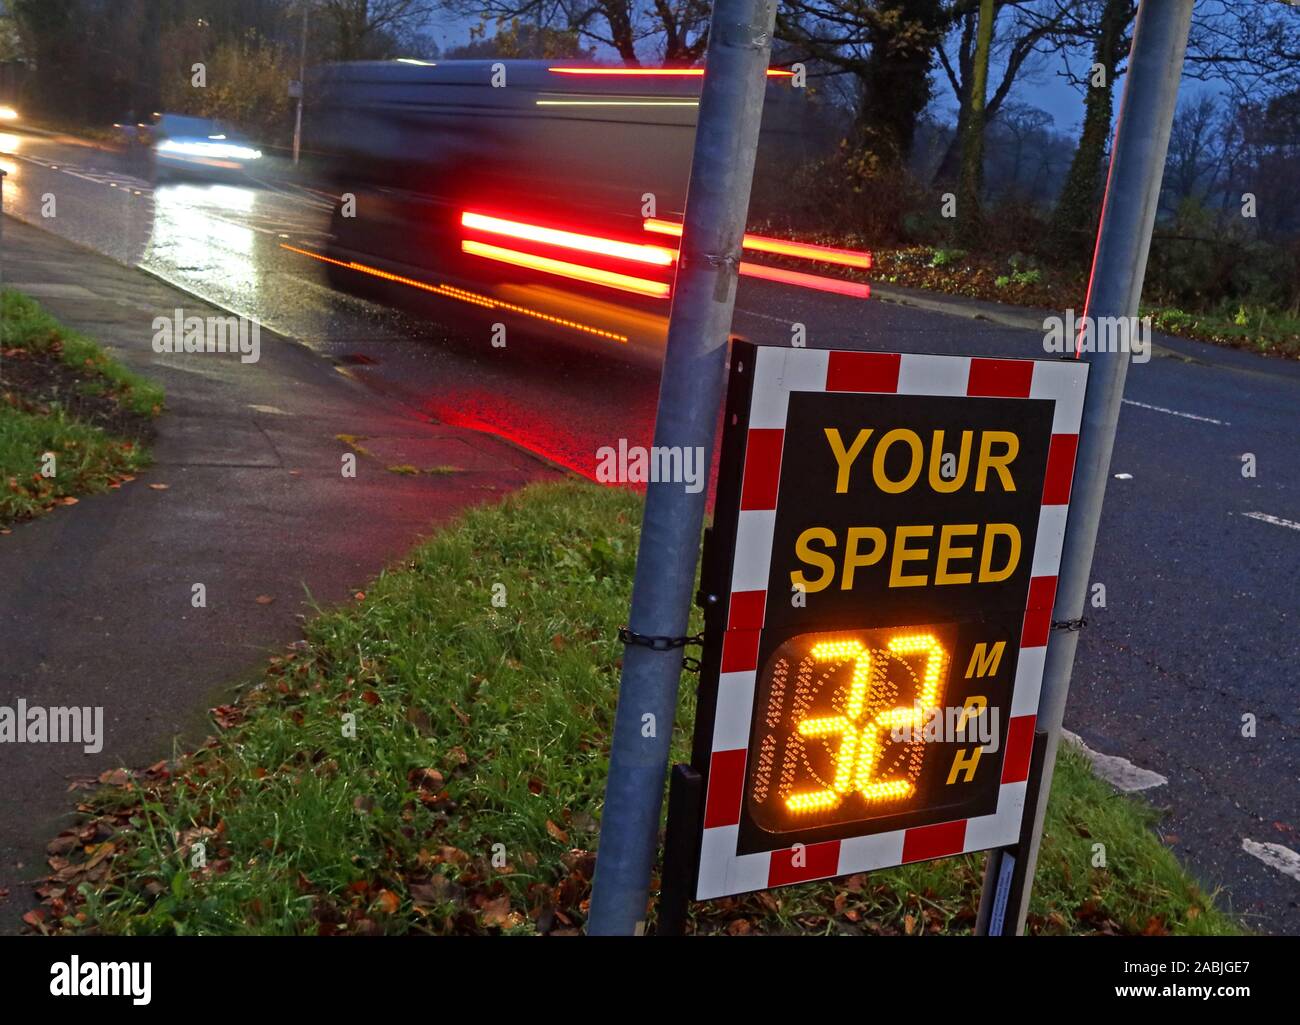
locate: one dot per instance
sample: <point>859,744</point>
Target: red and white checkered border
<point>776,374</point>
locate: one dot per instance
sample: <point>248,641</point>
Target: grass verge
<point>431,759</point>
<point>1021,280</point>
<point>73,421</point>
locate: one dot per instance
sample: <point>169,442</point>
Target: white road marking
<point>109,178</point>
<point>1277,521</point>
<point>1274,855</point>
<point>1118,772</point>
<point>267,409</point>
<point>1175,412</point>
<point>1123,476</point>
<point>764,316</point>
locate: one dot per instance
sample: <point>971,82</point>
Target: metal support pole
<point>1128,215</point>
<point>302,83</point>
<point>690,393</point>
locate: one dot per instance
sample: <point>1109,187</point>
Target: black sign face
<point>880,553</point>
<point>865,510</point>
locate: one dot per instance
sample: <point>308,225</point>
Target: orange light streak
<point>460,294</point>
<point>565,269</point>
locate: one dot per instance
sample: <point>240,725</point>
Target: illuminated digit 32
<point>853,723</point>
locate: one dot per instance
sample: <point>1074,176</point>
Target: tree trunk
<point>896,78</point>
<point>1075,221</point>
<point>619,19</point>
<point>970,220</point>
<point>949,168</point>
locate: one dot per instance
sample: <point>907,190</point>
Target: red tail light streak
<point>858,290</point>
<point>779,246</point>
<point>638,252</point>
<point>658,256</point>
<point>653,72</point>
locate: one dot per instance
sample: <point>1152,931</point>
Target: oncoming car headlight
<point>219,150</point>
<point>8,114</point>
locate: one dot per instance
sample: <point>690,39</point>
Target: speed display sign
<point>879,585</point>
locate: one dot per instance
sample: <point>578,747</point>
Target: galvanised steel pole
<point>690,394</point>
<point>302,83</point>
<point>1137,166</point>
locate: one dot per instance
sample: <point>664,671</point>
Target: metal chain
<point>689,663</point>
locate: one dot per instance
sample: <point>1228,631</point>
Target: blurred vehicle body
<point>530,195</point>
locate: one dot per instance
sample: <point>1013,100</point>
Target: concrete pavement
<point>95,599</point>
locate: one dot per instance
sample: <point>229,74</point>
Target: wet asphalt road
<point>1202,621</point>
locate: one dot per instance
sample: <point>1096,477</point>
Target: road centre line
<point>1175,412</point>
<point>1274,855</point>
<point>1118,772</point>
<point>1277,521</point>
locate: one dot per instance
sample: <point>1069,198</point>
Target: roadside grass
<point>25,326</point>
<point>85,460</point>
<point>1022,280</point>
<point>428,760</point>
<point>1254,329</point>
<point>73,421</point>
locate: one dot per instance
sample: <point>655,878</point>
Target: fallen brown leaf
<point>101,852</point>
<point>497,912</point>
<point>556,832</point>
<point>435,891</point>
<point>457,756</point>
